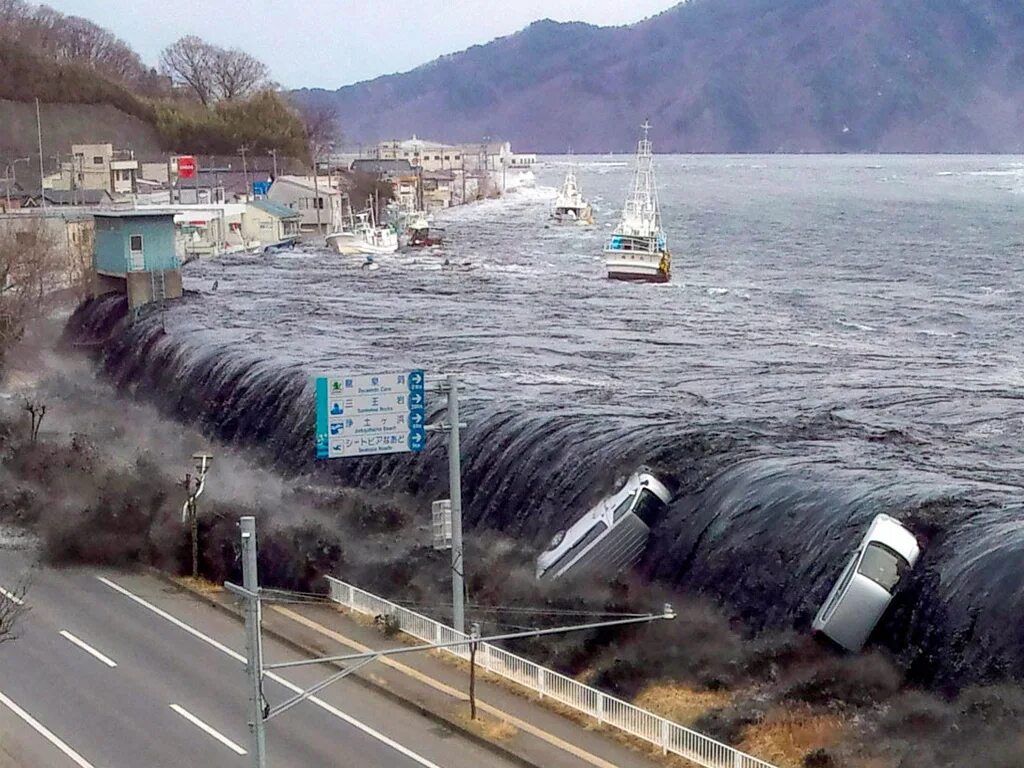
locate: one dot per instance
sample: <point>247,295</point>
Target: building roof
<point>74,197</point>
<point>438,175</point>
<point>133,214</point>
<point>275,209</point>
<point>414,144</point>
<point>326,183</point>
<point>383,167</point>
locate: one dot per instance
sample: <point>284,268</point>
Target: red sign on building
<point>186,167</point>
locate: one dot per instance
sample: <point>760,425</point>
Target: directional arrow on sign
<point>416,418</point>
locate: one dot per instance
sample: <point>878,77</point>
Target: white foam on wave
<point>855,326</point>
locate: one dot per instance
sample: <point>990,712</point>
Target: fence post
<point>600,708</point>
<point>487,656</point>
<point>737,759</point>
<point>541,682</point>
<point>348,596</point>
<point>437,632</point>
<point>664,736</point>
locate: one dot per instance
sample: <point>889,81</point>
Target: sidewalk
<point>513,724</point>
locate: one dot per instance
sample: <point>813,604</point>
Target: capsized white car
<point>866,587</point>
<point>610,537</point>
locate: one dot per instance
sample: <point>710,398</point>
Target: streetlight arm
<point>667,614</point>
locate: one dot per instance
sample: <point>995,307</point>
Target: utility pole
<point>245,169</point>
<point>316,195</point>
<point>455,492</point>
<point>253,642</point>
<point>39,135</point>
<point>273,154</point>
<point>189,512</point>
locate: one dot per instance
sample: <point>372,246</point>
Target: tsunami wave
<point>765,514</point>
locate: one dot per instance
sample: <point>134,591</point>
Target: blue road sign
<point>370,414</point>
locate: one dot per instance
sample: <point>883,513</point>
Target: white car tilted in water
<point>610,537</point>
<point>864,590</point>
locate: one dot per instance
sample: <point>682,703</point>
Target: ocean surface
<point>841,337</point>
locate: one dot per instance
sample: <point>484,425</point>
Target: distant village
<point>213,206</point>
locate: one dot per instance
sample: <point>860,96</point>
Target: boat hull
<point>638,267</point>
<point>638,277</point>
<point>352,245</point>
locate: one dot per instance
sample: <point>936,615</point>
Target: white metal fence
<point>606,710</point>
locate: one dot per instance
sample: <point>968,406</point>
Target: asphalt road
<point>113,670</point>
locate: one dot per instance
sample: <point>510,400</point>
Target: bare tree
<point>191,62</point>
<point>237,75</point>
<point>30,267</point>
<point>12,606</point>
<point>322,125</point>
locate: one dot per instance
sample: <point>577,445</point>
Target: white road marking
<point>11,596</point>
<point>88,648</point>
<point>45,732</point>
<point>272,676</point>
<point>208,729</point>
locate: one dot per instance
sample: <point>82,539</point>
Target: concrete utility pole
<point>273,154</point>
<point>245,169</point>
<point>39,135</point>
<point>189,511</point>
<point>253,642</point>
<point>455,492</point>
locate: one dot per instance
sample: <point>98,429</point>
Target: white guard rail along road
<point>606,710</point>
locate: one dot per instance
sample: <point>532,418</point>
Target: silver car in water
<point>610,537</point>
<point>864,590</point>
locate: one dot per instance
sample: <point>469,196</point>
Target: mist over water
<point>840,338</point>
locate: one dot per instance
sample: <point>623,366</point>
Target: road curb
<point>499,749</point>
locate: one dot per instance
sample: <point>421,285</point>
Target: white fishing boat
<point>637,249</point>
<point>363,236</point>
<point>570,205</point>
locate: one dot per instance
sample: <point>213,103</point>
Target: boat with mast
<point>363,236</point>
<point>570,205</point>
<point>637,249</point>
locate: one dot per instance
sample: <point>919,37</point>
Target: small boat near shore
<point>423,235</point>
<point>363,236</point>
<point>570,205</point>
<point>637,249</point>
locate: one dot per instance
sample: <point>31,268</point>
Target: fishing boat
<point>570,205</point>
<point>637,248</point>
<point>423,235</point>
<point>363,236</point>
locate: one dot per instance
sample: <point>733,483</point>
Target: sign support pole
<point>253,649</point>
<point>455,491</point>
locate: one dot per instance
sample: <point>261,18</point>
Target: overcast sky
<point>330,43</point>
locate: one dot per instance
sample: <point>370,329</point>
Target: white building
<point>309,198</point>
<point>96,166</point>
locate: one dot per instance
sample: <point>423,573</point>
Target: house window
<point>97,160</point>
<point>458,157</point>
<point>320,203</point>
<point>136,244</point>
<point>25,239</point>
<point>437,157</point>
<point>447,157</point>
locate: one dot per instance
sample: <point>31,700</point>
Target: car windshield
<point>882,566</point>
<point>648,507</point>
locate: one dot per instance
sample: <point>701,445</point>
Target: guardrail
<point>606,710</point>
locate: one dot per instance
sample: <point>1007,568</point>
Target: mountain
<point>724,76</point>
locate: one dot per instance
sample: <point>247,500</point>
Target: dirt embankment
<point>102,485</point>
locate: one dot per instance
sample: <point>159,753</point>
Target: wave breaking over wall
<point>766,513</point>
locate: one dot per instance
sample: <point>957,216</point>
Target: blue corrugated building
<point>134,253</point>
